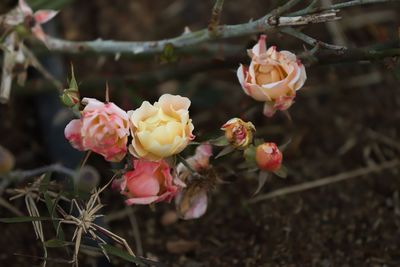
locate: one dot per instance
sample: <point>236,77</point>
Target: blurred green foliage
<point>48,4</point>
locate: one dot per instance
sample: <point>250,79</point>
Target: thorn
<point>107,93</point>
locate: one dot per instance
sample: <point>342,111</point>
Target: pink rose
<point>191,202</point>
<point>273,77</point>
<point>103,128</point>
<point>148,182</point>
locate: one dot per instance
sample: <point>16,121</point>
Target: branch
<point>340,6</point>
<point>266,23</point>
<point>309,40</point>
<point>327,180</point>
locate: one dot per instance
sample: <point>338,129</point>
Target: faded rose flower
<point>161,130</point>
<point>24,14</point>
<point>191,202</point>
<point>148,182</point>
<point>268,157</point>
<point>103,128</point>
<point>273,77</point>
<point>238,132</point>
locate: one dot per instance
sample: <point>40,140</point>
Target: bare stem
<point>327,180</point>
<point>340,6</point>
<point>309,40</point>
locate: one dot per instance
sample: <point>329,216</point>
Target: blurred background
<point>345,117</point>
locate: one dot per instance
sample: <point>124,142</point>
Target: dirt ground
<point>346,117</point>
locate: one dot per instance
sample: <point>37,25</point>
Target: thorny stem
<point>340,6</point>
<point>309,40</point>
<point>266,23</point>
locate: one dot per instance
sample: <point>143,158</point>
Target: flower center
<point>269,73</point>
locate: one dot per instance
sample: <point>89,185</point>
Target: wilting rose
<point>238,132</point>
<point>24,14</point>
<point>148,182</point>
<point>103,128</point>
<point>161,130</point>
<point>273,77</point>
<point>268,157</point>
<point>191,202</point>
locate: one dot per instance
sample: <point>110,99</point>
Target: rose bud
<point>273,77</point>
<point>70,97</point>
<point>268,157</point>
<point>191,202</point>
<point>7,160</point>
<point>161,130</point>
<point>87,178</point>
<point>239,133</point>
<point>103,128</point>
<point>148,182</point>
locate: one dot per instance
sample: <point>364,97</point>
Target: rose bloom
<point>238,132</point>
<point>103,128</point>
<point>273,77</point>
<point>191,202</point>
<point>161,130</point>
<point>147,183</point>
<point>268,157</point>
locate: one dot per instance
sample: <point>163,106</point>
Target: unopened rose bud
<point>70,97</point>
<point>268,157</point>
<point>87,179</point>
<point>7,160</point>
<point>239,133</point>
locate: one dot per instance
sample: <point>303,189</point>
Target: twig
<point>309,40</point>
<point>340,6</point>
<point>136,231</point>
<point>4,203</point>
<point>326,181</point>
<point>384,139</point>
<point>19,176</point>
<point>286,7</point>
<point>266,23</point>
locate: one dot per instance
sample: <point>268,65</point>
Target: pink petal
<point>39,33</point>
<point>141,200</point>
<point>43,16</point>
<point>25,8</point>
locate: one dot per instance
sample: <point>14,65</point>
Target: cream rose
<point>160,130</point>
<point>272,77</point>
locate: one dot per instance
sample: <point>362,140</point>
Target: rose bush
<point>273,77</point>
<point>103,128</point>
<point>161,130</point>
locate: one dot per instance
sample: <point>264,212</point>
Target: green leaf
<point>250,155</point>
<point>284,146</point>
<point>220,141</point>
<point>262,179</point>
<point>258,141</point>
<point>121,254</point>
<point>55,243</point>
<point>44,184</point>
<point>23,219</point>
<point>282,172</point>
<point>51,209</point>
<point>72,83</point>
<point>225,151</point>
